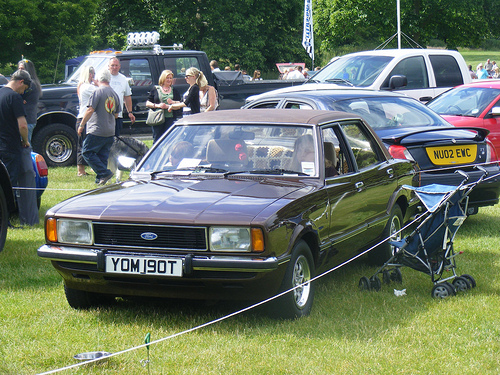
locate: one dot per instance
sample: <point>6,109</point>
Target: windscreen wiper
<point>268,171</point>
<point>340,80</point>
<point>198,168</point>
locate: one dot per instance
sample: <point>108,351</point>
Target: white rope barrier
<point>218,320</point>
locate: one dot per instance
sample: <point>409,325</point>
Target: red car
<point>474,104</point>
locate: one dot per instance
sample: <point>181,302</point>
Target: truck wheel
<point>57,144</point>
<point>4,218</point>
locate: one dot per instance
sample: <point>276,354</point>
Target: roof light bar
<point>143,39</point>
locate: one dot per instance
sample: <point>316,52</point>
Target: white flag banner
<point>308,35</point>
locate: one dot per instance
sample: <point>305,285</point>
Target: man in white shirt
<point>296,73</point>
<point>120,84</point>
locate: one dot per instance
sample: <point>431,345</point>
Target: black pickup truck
<point>54,136</point>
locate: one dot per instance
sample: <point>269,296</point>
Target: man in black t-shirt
<point>13,125</point>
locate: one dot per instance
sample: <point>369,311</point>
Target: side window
<point>414,70</point>
<point>446,70</point>
<point>272,104</point>
<point>137,69</point>
<point>363,146</point>
<point>335,157</point>
<point>296,105</point>
<point>179,65</point>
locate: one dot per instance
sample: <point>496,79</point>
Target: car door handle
<point>390,172</point>
<point>359,185</point>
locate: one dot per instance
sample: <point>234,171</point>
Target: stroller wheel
<point>396,275</point>
<point>461,284</point>
<point>386,277</point>
<point>364,283</point>
<point>471,280</point>
<point>443,290</point>
<point>375,283</point>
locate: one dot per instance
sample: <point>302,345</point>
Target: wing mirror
<point>397,81</point>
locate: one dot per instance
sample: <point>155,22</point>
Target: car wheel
<point>57,144</point>
<point>80,299</point>
<point>4,218</point>
<point>383,252</point>
<point>298,302</point>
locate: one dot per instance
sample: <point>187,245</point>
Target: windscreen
<point>464,101</point>
<point>97,62</point>
<point>230,148</point>
<point>386,112</point>
<point>354,70</point>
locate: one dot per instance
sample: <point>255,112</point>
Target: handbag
<point>156,116</point>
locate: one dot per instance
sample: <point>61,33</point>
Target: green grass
<point>348,331</point>
<point>474,57</point>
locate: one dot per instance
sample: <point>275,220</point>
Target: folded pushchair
<point>429,247</point>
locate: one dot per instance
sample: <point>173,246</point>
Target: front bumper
<point>190,262</point>
<point>207,277</point>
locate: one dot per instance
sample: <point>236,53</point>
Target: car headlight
<point>236,239</point>
<point>69,231</point>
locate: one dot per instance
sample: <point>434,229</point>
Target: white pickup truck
<point>419,73</point>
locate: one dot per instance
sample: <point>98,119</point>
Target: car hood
<point>463,120</point>
<point>181,201</point>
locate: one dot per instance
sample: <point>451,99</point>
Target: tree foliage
<point>253,33</point>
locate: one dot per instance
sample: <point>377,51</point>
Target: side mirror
<point>495,111</point>
<point>130,82</point>
<point>397,82</point>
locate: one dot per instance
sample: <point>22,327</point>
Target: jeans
<point>95,151</point>
<point>118,126</point>
<point>12,162</point>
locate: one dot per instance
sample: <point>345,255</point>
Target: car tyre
<point>80,299</point>
<point>298,302</point>
<point>385,251</point>
<point>4,218</point>
<point>57,144</point>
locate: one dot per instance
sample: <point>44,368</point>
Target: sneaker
<point>103,180</point>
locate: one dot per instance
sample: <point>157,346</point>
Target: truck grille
<point>136,235</point>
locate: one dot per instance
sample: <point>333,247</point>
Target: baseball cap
<point>19,75</point>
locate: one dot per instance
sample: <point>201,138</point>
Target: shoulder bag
<point>156,116</point>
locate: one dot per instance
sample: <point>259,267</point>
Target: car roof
<point>487,83</point>
<point>267,116</point>
<point>403,52</point>
<point>335,94</point>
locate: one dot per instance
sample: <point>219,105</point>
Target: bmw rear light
<point>41,166</point>
<point>400,152</point>
<point>491,154</point>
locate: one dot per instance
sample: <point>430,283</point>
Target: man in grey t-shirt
<point>100,118</point>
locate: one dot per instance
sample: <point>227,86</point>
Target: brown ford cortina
<point>235,204</point>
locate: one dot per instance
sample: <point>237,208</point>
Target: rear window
<point>446,71</point>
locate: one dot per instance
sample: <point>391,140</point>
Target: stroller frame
<point>429,247</point>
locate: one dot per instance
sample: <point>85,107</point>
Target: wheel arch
<point>310,237</point>
<point>60,117</point>
<point>7,188</point>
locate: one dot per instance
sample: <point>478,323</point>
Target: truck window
<point>137,69</point>
<point>179,65</point>
<point>415,71</point>
<point>446,70</point>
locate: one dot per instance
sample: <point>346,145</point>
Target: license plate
<point>144,265</point>
<point>450,155</point>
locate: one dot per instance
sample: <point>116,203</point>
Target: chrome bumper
<point>190,262</point>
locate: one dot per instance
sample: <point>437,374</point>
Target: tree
<point>45,31</point>
<point>456,22</point>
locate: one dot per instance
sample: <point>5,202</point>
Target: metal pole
<point>399,23</point>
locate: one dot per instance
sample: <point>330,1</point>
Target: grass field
<point>348,332</point>
<point>473,57</point>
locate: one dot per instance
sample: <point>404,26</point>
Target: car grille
<point>136,235</point>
